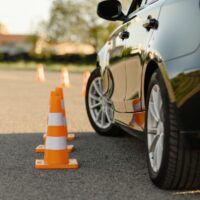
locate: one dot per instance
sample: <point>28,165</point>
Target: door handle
<point>124,35</point>
<point>151,23</point>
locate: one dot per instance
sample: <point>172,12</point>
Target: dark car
<point>147,83</point>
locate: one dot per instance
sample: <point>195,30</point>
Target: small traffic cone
<point>40,73</point>
<point>64,78</point>
<point>86,76</point>
<point>41,148</point>
<point>55,154</point>
<point>70,137</point>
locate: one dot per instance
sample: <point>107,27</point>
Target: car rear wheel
<point>99,107</point>
<point>172,164</point>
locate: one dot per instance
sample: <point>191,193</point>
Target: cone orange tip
<point>59,91</point>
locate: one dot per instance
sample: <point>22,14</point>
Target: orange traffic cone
<point>64,78</point>
<point>41,148</point>
<point>40,73</point>
<point>86,76</point>
<point>55,154</point>
<point>69,137</point>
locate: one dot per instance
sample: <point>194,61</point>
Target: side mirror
<point>110,10</point>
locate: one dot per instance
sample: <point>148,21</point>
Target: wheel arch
<point>149,69</point>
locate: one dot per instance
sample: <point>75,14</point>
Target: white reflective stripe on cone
<point>63,104</point>
<point>55,119</point>
<point>55,143</point>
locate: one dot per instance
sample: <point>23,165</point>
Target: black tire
<point>112,130</point>
<point>180,165</point>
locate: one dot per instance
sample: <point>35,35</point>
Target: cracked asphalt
<point>110,168</point>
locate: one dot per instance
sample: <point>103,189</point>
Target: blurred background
<point>54,32</point>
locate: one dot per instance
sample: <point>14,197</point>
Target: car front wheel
<point>99,107</point>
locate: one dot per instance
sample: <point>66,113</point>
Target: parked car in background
<point>147,83</point>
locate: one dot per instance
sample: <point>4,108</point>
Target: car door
<point>117,69</point>
<point>136,48</point>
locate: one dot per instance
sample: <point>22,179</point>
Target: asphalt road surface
<point>110,168</point>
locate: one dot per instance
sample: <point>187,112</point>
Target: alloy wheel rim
<point>99,105</point>
<point>155,128</point>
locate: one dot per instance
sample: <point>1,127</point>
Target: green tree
<point>65,21</point>
<point>76,21</point>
